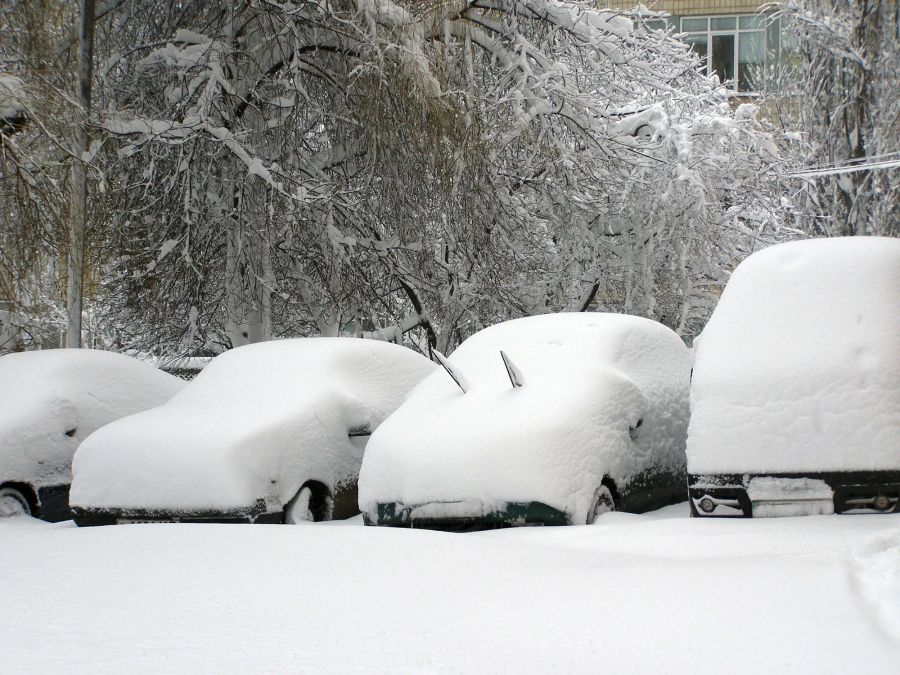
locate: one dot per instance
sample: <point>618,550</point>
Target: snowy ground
<point>656,593</point>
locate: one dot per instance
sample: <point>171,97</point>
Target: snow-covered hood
<point>550,440</point>
<point>256,423</point>
<point>56,398</point>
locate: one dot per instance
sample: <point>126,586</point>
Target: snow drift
<point>653,593</point>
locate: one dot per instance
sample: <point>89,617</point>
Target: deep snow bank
<point>657,593</point>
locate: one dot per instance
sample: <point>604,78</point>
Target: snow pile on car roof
<point>587,378</point>
<point>53,399</point>
<point>799,366</point>
<point>252,421</point>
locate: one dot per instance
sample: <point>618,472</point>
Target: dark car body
<point>732,495</point>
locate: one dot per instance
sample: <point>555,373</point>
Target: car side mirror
<point>361,430</point>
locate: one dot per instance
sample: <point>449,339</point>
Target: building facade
<point>738,39</point>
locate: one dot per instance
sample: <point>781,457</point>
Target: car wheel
<point>13,503</point>
<point>604,502</point>
<point>298,509</point>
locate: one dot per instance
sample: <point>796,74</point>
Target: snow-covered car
<point>548,419</point>
<point>53,399</point>
<point>269,432</point>
<point>795,400</point>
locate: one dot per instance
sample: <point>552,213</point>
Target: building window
<point>734,47</point>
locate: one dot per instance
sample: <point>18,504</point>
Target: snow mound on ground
<point>588,377</point>
<point>875,567</point>
<point>799,367</point>
<point>45,394</point>
<point>256,423</point>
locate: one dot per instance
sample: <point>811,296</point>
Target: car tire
<point>13,503</point>
<point>603,502</point>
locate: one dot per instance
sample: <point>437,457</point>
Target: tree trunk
<point>75,290</point>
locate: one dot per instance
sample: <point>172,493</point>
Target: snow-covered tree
<point>378,166</point>
<point>35,153</point>
<point>391,168</point>
<point>843,102</point>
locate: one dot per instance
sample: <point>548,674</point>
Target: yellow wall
<point>682,7</point>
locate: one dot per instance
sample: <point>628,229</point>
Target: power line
<point>838,169</point>
<point>855,160</point>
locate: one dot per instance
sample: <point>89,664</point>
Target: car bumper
<point>793,494</point>
<point>465,516</point>
<point>88,516</point>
